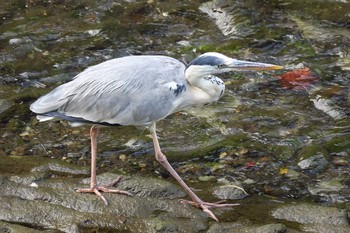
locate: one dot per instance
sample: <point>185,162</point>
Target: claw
<point>210,213</point>
<point>100,195</point>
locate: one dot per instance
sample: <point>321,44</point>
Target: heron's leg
<point>94,188</point>
<point>196,201</point>
<point>94,132</point>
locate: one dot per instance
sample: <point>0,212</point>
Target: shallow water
<point>259,131</point>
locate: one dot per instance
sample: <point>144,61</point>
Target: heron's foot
<point>205,206</point>
<point>98,189</point>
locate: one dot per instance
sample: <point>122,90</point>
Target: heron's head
<point>215,63</point>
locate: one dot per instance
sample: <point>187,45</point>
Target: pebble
<point>249,181</point>
<point>5,104</point>
<point>230,192</point>
<point>122,157</point>
<point>34,185</point>
<point>73,155</point>
<point>340,161</point>
<point>292,174</point>
<point>206,178</point>
<point>16,41</point>
<point>314,164</point>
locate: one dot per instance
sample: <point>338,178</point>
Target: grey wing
<point>133,90</point>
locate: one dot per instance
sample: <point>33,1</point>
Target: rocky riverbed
<point>277,143</point>
<point>42,199</point>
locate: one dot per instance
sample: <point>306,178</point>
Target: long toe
<point>114,182</point>
<point>107,190</point>
<point>205,206</point>
<point>93,190</point>
<point>98,189</point>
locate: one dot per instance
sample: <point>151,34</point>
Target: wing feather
<point>130,90</point>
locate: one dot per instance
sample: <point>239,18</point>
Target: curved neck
<point>210,88</point>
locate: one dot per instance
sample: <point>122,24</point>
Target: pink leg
<point>196,201</point>
<point>94,188</point>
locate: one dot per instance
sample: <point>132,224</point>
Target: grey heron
<point>139,91</point>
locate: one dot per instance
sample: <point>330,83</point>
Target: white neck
<point>206,88</point>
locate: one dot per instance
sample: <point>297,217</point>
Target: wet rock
<point>29,179</point>
<point>330,191</point>
<point>325,187</point>
<point>142,186</point>
<point>226,227</point>
<point>93,32</point>
<point>206,178</point>
<point>247,228</point>
<point>341,159</point>
<point>271,228</point>
<point>228,20</point>
<point>340,162</point>
<point>324,228</point>
<point>5,104</point>
<point>59,168</point>
<point>312,214</point>
<point>329,107</point>
<point>230,192</point>
<point>28,74</point>
<point>7,79</point>
<point>57,78</point>
<point>254,86</point>
<point>314,164</point>
<point>53,204</point>
<point>17,41</point>
<point>313,159</point>
<point>6,227</point>
<point>168,225</point>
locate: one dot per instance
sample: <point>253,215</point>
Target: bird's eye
<point>221,66</point>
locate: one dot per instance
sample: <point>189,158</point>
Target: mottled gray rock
<point>271,228</point>
<point>59,168</point>
<point>41,214</point>
<point>143,186</point>
<point>253,86</point>
<point>229,192</point>
<point>247,228</point>
<point>6,227</point>
<point>226,227</point>
<point>5,104</point>
<point>324,228</point>
<point>312,214</point>
<point>314,164</point>
<point>326,186</point>
<point>53,204</point>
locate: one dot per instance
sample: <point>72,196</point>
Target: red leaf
<point>298,78</point>
<point>250,164</point>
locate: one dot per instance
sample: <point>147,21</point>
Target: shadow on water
<point>284,137</point>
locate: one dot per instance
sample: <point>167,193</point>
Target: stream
<point>277,143</point>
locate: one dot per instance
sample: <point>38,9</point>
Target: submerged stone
<point>5,104</point>
<point>313,158</point>
<point>247,227</point>
<point>207,178</point>
<point>312,214</point>
<point>314,164</point>
<point>230,192</point>
<point>326,187</point>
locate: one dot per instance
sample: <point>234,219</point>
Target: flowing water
<point>279,136</point>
